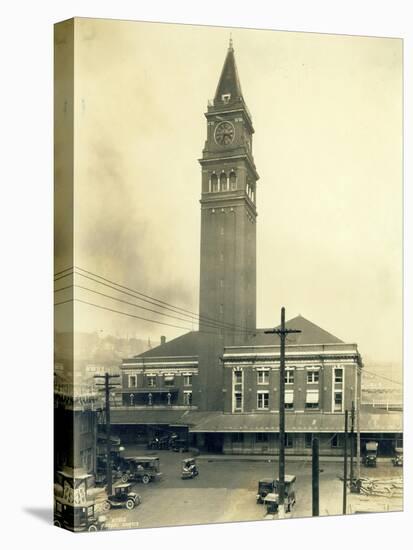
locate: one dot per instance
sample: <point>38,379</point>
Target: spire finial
<point>230,41</point>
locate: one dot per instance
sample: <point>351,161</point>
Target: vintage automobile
<point>164,441</point>
<point>141,468</point>
<point>398,457</point>
<point>189,468</point>
<point>370,457</point>
<point>265,486</point>
<point>271,500</point>
<point>180,445</point>
<point>77,517</point>
<point>122,496</point>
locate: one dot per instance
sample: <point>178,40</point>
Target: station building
<point>219,386</point>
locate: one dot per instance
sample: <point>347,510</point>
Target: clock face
<point>224,133</point>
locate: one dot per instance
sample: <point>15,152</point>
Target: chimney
<point>163,340</point>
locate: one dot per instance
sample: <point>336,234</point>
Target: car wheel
<point>146,479</point>
<point>130,504</point>
<point>57,523</point>
<point>125,478</point>
<point>92,528</point>
<point>107,506</point>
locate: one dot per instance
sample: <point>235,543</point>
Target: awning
<point>312,396</point>
<point>289,396</point>
<point>168,378</point>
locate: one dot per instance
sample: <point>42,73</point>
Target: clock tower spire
<point>228,227</point>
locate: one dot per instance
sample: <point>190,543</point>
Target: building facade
<point>220,385</point>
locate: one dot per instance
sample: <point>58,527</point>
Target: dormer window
<point>226,97</point>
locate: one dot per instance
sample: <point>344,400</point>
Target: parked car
<point>271,500</point>
<point>370,457</point>
<point>265,486</point>
<point>77,517</point>
<point>164,441</point>
<point>122,497</point>
<point>189,468</point>
<point>141,468</point>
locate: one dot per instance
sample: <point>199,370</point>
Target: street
<point>225,491</point>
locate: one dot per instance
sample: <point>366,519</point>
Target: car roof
<point>289,479</point>
<point>123,485</point>
<point>266,480</point>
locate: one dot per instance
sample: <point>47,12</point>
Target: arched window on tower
<point>214,183</point>
<point>223,181</point>
<point>233,180</point>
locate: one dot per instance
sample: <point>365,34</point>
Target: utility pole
<point>282,333</point>
<point>106,388</point>
<point>316,477</point>
<point>352,447</point>
<point>345,464</point>
<point>358,402</point>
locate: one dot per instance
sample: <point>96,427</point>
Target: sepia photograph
<point>228,274</point>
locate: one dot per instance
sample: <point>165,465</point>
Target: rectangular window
<point>261,438</point>
<point>132,383</point>
<point>338,401</point>
<point>262,400</point>
<point>263,377</point>
<point>238,401</point>
<point>313,376</point>
<point>289,399</point>
<point>312,399</point>
<point>188,398</point>
<point>289,376</point>
<point>337,441</point>
<point>288,440</point>
<point>188,380</point>
<point>169,380</point>
<point>338,376</point>
<point>308,441</point>
<point>151,380</point>
<point>237,376</point>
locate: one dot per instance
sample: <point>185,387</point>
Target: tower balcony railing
<point>212,104</point>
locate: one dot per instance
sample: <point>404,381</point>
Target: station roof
<point>186,345</point>
<point>310,334</point>
<point>203,422</point>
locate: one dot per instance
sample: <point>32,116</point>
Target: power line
<point>65,302</point>
<point>136,305</point>
<point>151,300</point>
<point>62,271</point>
<point>130,315</point>
<point>186,311</point>
<point>384,377</point>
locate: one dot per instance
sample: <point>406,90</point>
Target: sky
<point>327,112</point>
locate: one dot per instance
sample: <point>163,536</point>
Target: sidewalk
<point>274,458</point>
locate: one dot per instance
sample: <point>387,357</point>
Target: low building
<point>76,411</point>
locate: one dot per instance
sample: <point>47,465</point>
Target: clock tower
<point>228,231</point>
